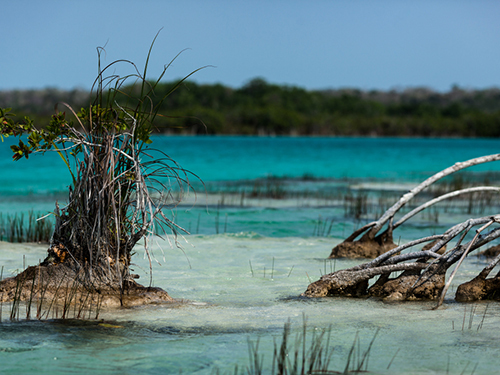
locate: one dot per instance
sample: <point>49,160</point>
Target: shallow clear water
<point>245,265</point>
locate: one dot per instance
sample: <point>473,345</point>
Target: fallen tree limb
<point>389,214</point>
<point>417,273</point>
<point>442,198</point>
<point>478,232</point>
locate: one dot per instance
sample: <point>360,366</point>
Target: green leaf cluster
<point>260,107</point>
<point>263,108</point>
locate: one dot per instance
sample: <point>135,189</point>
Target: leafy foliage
<point>263,108</point>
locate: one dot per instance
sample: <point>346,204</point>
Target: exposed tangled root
<point>58,284</point>
<point>406,287</point>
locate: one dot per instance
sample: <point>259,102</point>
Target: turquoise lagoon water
<point>249,257</point>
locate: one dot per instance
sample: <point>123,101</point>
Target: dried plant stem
<point>465,253</point>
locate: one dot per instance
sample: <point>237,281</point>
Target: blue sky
<point>312,44</point>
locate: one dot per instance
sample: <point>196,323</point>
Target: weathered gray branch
<point>448,283</point>
<point>452,256</point>
<point>359,231</point>
<point>389,254</point>
<point>442,198</point>
<point>368,273</point>
<point>417,189</point>
<point>354,281</point>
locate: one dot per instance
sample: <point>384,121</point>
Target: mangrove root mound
<point>401,288</point>
<point>424,270</point>
<point>337,284</point>
<point>491,252</point>
<point>58,284</point>
<point>479,288</point>
<point>363,248</point>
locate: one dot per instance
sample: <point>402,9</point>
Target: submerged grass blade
<point>303,356</point>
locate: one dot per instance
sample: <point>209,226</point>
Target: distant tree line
<point>261,108</point>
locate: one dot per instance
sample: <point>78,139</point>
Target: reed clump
<point>18,228</point>
<point>305,354</point>
<point>50,293</point>
<point>358,203</point>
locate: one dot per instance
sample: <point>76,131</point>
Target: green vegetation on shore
<point>261,108</point>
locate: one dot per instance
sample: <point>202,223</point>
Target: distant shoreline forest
<point>261,108</point>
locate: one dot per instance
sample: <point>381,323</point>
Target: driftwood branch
<point>478,232</point>
<point>417,273</point>
<point>441,198</point>
<point>373,230</point>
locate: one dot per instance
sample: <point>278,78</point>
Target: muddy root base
<point>403,288</point>
<point>59,285</point>
<point>491,252</point>
<point>329,288</point>
<point>362,249</point>
<point>400,288</point>
<point>479,288</point>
